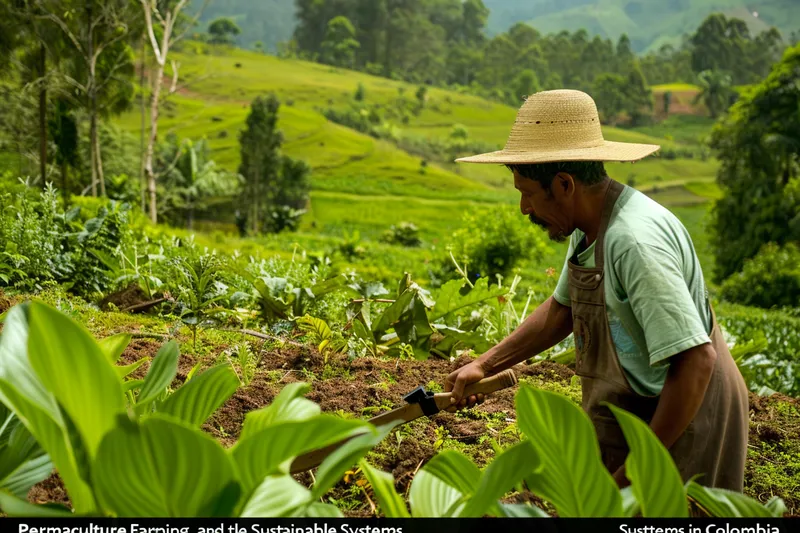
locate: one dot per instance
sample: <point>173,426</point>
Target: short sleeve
<point>654,285</point>
<point>561,293</point>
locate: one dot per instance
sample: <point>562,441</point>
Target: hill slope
<point>649,23</point>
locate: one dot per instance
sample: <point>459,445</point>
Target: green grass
<point>684,129</point>
<point>675,87</point>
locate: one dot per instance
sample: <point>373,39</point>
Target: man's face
<point>551,210</point>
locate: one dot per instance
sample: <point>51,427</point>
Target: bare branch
<point>174,86</point>
<point>148,17</point>
<point>194,20</point>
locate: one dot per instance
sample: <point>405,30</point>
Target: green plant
<point>321,335</point>
<point>404,234</point>
<point>246,360</point>
<point>143,462</point>
<point>771,278</point>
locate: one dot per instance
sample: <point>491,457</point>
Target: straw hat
<point>560,125</point>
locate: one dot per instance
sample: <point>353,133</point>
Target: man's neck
<point>589,212</point>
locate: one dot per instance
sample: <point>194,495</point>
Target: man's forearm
<point>683,393</point>
<point>548,325</point>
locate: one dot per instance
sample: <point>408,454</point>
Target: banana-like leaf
<point>114,345</point>
<point>162,372</point>
<point>572,477</point>
<point>455,296</point>
<point>314,325</point>
<point>270,451</point>
<point>25,394</point>
<point>75,370</point>
<point>455,469</point>
<point>14,506</point>
<point>161,467</point>
<point>431,497</point>
<point>728,504</point>
<point>322,510</point>
<point>630,505</point>
<point>277,497</point>
<point>502,474</point>
<point>196,400</point>
<point>125,371</point>
<point>336,464</point>
<point>288,406</point>
<point>23,462</point>
<point>655,479</point>
<point>382,483</point>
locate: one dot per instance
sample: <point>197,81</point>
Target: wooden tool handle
<point>503,380</point>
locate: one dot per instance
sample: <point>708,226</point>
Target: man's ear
<point>563,185</point>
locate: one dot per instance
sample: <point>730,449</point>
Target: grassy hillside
<point>649,23</point>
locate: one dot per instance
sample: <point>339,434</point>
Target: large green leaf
<point>728,504</point>
<point>22,390</point>
<point>269,451</point>
<point>382,483</point>
<point>431,497</point>
<point>161,467</point>
<point>469,339</point>
<point>77,372</point>
<point>288,406</point>
<point>336,464</point>
<point>572,477</point>
<point>655,479</point>
<point>502,474</point>
<point>322,510</point>
<point>393,314</point>
<point>455,296</point>
<point>414,329</point>
<point>455,469</point>
<point>162,371</point>
<point>196,400</point>
<point>125,371</point>
<point>521,510</point>
<point>23,462</point>
<point>276,497</point>
<point>17,507</point>
<point>114,345</point>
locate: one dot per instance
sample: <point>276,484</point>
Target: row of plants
<point>128,447</point>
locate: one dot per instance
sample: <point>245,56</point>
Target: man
<point>632,293</point>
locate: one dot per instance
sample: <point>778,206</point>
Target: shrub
<point>770,279</point>
<point>404,234</point>
<point>492,241</point>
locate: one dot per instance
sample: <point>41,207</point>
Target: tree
<point>97,32</point>
<point>638,96</point>
<point>609,94</point>
<point>163,17</point>
<point>223,31</point>
<point>758,145</point>
<point>339,47</point>
<point>715,91</point>
<point>526,84</point>
<point>260,144</point>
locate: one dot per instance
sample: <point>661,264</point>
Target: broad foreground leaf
<point>288,406</point>
<point>24,393</point>
<point>430,497</point>
<point>162,371</point>
<point>161,468</point>
<point>382,483</point>
<point>125,371</point>
<point>520,510</point>
<point>276,497</point>
<point>196,400</point>
<point>455,469</point>
<point>23,462</point>
<point>114,345</point>
<point>655,479</point>
<point>336,464</point>
<point>454,296</point>
<point>728,504</point>
<point>268,452</point>
<point>18,507</point>
<point>502,474</point>
<point>76,371</point>
<point>572,476</point>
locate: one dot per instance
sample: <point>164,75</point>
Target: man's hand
<point>459,379</point>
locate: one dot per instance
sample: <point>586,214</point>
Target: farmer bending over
<point>632,293</point>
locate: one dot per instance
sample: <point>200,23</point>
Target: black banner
<point>417,525</point>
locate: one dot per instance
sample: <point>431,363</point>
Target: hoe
<point>419,402</point>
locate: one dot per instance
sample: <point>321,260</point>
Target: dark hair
<point>586,172</point>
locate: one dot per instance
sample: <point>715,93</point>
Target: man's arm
<point>548,325</point>
<point>683,393</point>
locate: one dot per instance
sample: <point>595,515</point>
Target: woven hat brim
<point>608,151</point>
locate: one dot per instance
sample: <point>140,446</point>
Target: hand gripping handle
<point>503,380</point>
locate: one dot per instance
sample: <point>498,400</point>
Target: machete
<point>419,403</point>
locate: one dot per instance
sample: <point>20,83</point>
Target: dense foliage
<point>758,145</point>
<point>771,278</point>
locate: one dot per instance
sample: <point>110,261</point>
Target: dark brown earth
<point>368,386</point>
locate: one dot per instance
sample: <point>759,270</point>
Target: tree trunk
<point>148,162</point>
<point>91,89</point>
<point>98,155</point>
<point>64,180</point>
<point>42,114</point>
<point>142,178</point>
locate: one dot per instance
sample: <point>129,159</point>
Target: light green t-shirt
<point>656,297</point>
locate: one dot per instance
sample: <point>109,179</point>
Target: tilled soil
<point>367,387</point>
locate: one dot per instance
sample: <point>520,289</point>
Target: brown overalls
<point>714,444</point>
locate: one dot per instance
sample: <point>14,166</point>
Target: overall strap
<point>612,194</point>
